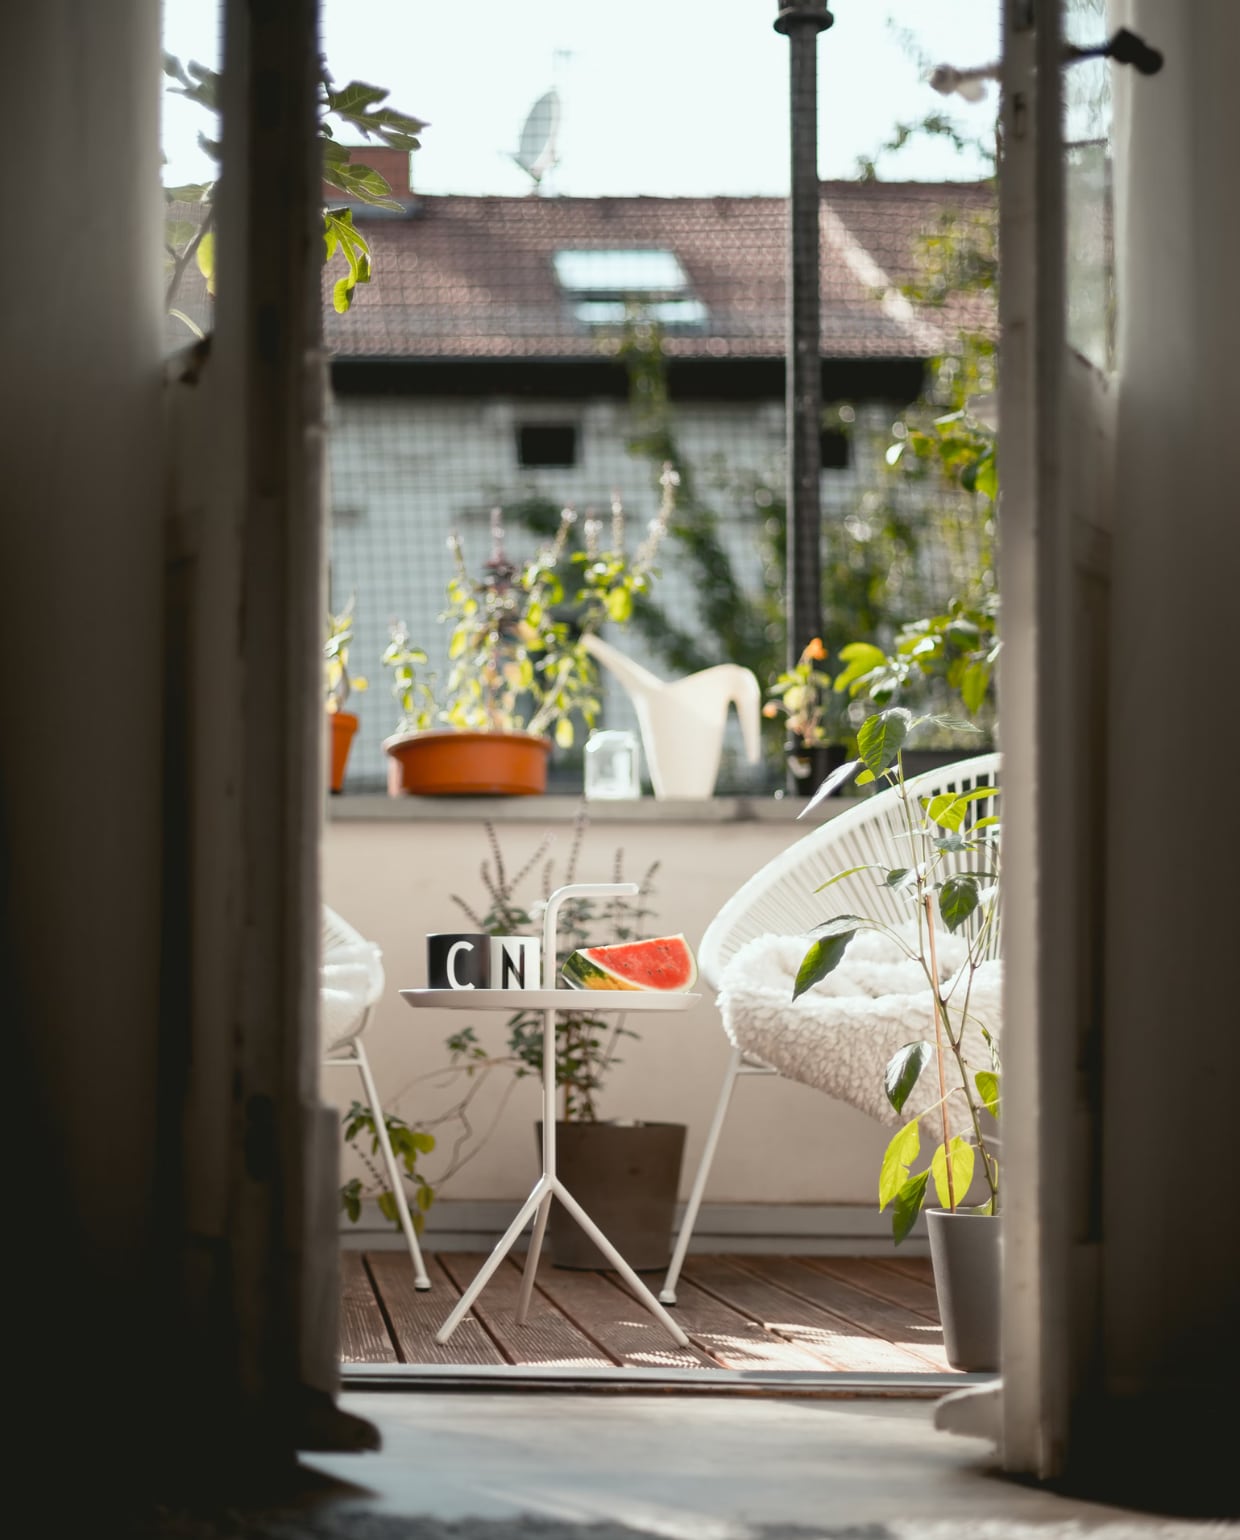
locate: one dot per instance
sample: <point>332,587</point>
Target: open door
<point>1056,451</point>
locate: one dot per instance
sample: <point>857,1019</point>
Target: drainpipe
<point>801,21</point>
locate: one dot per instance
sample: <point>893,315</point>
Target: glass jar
<point>611,765</point>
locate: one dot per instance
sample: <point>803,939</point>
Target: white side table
<point>549,999</point>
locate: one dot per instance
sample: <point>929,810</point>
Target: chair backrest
<point>341,943</point>
<point>780,899</point>
<point>337,932</point>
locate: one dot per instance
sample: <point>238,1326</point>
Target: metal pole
<point>801,21</point>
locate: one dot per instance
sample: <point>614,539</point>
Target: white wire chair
<point>781,900</point>
<point>352,985</point>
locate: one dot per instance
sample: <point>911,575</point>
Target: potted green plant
<point>803,695</point>
<point>519,674</point>
<point>948,868</point>
<point>339,683</point>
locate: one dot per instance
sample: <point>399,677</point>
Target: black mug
<point>458,961</point>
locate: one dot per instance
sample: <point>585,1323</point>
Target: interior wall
<point>80,758</point>
<point>1170,1258</point>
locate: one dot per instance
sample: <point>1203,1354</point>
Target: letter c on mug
<point>453,981</point>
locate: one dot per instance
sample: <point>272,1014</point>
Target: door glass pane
<point>1088,182</point>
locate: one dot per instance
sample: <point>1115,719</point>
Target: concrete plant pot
<point>626,1176</point>
<point>965,1250</point>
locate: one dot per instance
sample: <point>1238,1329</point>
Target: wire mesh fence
<point>408,472</point>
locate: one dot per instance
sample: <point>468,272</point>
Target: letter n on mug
<point>515,962</point>
<point>456,961</point>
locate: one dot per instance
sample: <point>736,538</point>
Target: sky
<point>662,97</point>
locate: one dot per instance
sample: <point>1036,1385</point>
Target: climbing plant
<point>189,227</point>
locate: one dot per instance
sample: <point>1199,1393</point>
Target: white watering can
<point>682,720</point>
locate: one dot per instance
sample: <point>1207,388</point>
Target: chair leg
<point>668,1292</point>
<point>420,1280</point>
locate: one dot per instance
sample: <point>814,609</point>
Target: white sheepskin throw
<point>839,1036</point>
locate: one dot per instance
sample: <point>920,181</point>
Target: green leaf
<point>908,1205</point>
<point>619,605</point>
<point>342,293</point>
<point>957,900</point>
<point>851,872</point>
<point>881,738</point>
<point>564,733</point>
<point>978,794</point>
<point>179,232</point>
<point>987,1084</point>
<point>836,779</point>
<point>900,1154</point>
<point>862,659</point>
<point>952,724</point>
<point>355,179</point>
<point>973,685</point>
<point>961,1155</point>
<point>822,958</point>
<point>945,810</point>
<point>845,924</point>
<point>904,1071</point>
<point>387,1207</point>
<point>424,1196</point>
<point>358,104</point>
<point>351,1199</point>
<point>205,258</point>
<point>897,877</point>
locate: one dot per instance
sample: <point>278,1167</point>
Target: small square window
<point>547,445</point>
<point>833,450</point>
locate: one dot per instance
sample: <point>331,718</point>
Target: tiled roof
<point>473,277</point>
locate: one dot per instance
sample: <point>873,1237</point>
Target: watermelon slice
<point>665,963</point>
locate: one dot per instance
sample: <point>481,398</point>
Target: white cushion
<point>840,1034</point>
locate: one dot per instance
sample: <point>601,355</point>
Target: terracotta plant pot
<point>451,763</point>
<point>341,727</point>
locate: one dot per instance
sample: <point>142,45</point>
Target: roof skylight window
<point>607,285</point>
<point>618,274</point>
<point>667,312</point>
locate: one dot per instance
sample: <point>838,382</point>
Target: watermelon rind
<point>643,964</point>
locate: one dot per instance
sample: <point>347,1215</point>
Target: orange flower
<point>814,650</point>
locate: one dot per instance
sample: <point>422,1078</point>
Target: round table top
<point>510,1000</point>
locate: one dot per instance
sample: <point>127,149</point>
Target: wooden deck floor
<point>861,1315</point>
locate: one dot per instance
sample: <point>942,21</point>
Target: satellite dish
<point>538,153</point>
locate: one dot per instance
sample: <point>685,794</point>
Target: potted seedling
<point>948,870</point>
<point>519,675</point>
<point>803,696</point>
